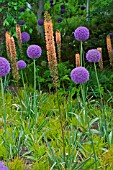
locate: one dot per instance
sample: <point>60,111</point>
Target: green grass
<point>41,145</point>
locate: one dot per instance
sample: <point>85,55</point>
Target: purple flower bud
<point>79,75</point>
<point>2,166</point>
<point>40,22</point>
<point>62,6</point>
<point>22,9</point>
<point>4,67</point>
<point>82,7</point>
<point>51,1</point>
<point>21,22</point>
<point>25,37</point>
<point>21,64</point>
<point>62,11</point>
<point>93,55</point>
<point>51,4</point>
<point>15,17</point>
<point>59,20</point>
<point>34,51</point>
<point>111,35</point>
<point>81,33</point>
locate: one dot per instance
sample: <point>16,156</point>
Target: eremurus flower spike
<point>109,48</point>
<point>101,59</point>
<point>19,38</point>
<point>58,42</point>
<point>50,46</point>
<point>77,59</point>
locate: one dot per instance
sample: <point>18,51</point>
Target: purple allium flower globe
<point>62,11</point>
<point>111,35</point>
<point>81,33</point>
<point>21,64</point>
<point>25,37</point>
<point>4,67</point>
<point>59,20</point>
<point>21,22</point>
<point>51,4</point>
<point>40,22</point>
<point>15,17</point>
<point>82,7</point>
<point>51,1</point>
<point>79,75</point>
<point>34,51</point>
<point>93,55</point>
<point>2,166</point>
<point>62,6</point>
<point>22,9</point>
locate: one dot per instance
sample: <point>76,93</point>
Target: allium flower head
<point>111,35</point>
<point>40,22</point>
<point>25,37</point>
<point>21,64</point>
<point>51,1</point>
<point>21,22</point>
<point>59,20</point>
<point>83,7</point>
<point>62,6</point>
<point>62,11</point>
<point>81,33</point>
<point>34,51</point>
<point>4,67</point>
<point>2,166</point>
<point>15,17</point>
<point>79,75</point>
<point>22,9</point>
<point>93,55</point>
<point>51,4</point>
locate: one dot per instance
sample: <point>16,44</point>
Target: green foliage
<point>17,164</point>
<point>40,165</point>
<point>57,135</point>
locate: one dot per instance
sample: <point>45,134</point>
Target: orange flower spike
<point>77,59</point>
<point>101,60</point>
<point>50,46</point>
<point>13,59</point>
<point>19,38</point>
<point>58,42</point>
<point>7,36</point>
<point>109,47</point>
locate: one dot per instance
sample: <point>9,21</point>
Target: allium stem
<point>34,104</point>
<point>26,98</point>
<point>81,48</point>
<point>5,123</point>
<point>86,119</point>
<point>102,107</point>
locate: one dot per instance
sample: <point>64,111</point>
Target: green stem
<point>86,119</point>
<point>81,62</point>
<point>4,116</point>
<point>38,82</point>
<point>102,106</point>
<point>98,82</point>
<point>34,104</point>
<point>27,99</point>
